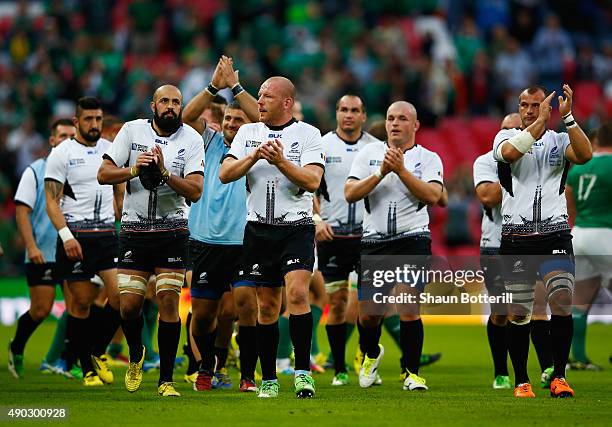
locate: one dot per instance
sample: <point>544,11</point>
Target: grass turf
<point>460,392</point>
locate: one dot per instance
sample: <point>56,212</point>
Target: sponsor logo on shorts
<point>559,251</point>
<point>293,261</point>
<point>332,262</point>
<point>47,275</point>
<point>202,278</point>
<point>255,270</point>
<point>175,259</point>
<point>77,267</point>
<point>127,257</point>
<point>518,267</point>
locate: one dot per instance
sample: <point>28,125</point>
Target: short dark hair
<point>363,108</point>
<point>110,121</point>
<point>60,122</point>
<point>604,135</point>
<point>218,99</point>
<point>234,105</point>
<point>87,103</point>
<point>534,89</point>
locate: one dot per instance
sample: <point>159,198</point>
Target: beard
<point>91,136</point>
<point>168,122</point>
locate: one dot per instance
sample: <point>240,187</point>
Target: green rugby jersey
<point>592,191</point>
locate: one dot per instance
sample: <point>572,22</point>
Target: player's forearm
<point>54,212</point>
<point>316,205</point>
<point>109,174</point>
<point>306,178</point>
<point>443,200</point>
<point>426,192</point>
<point>232,169</point>
<point>355,190</point>
<point>580,144</point>
<point>22,218</point>
<point>194,109</point>
<point>118,194</point>
<point>489,194</point>
<point>189,188</point>
<point>249,105</point>
<point>510,153</point>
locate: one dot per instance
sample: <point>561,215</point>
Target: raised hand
<point>565,104</point>
<point>545,107</point>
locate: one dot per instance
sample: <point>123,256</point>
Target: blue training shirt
<point>31,192</point>
<point>219,217</point>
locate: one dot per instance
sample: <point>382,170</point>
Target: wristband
<point>379,174</point>
<point>212,90</point>
<point>569,121</point>
<point>237,89</point>
<point>317,218</point>
<point>134,171</point>
<point>166,175</point>
<point>65,234</point>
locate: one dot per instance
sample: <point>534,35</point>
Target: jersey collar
<point>406,150</point>
<point>162,136</point>
<point>346,141</point>
<point>281,127</point>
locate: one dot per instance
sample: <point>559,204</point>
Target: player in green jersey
<point>590,208</point>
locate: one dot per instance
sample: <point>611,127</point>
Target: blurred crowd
<point>459,58</point>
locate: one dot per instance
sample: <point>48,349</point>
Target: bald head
<point>404,107</point>
<point>168,91</point>
<point>511,121</point>
<point>282,85</point>
<point>401,124</point>
<point>275,101</point>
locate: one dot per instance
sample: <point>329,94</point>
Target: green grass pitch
<point>460,392</point>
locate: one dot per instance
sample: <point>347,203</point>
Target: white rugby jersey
<point>533,187</point>
<point>391,211</point>
<point>271,197</point>
<point>86,205</point>
<point>160,209</point>
<point>485,170</point>
<point>345,218</point>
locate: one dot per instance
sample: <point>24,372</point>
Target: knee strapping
<point>169,282</point>
<point>522,296</point>
<point>520,320</point>
<point>560,282</point>
<point>332,287</point>
<point>131,284</point>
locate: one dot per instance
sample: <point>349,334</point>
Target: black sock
<point>132,329</point>
<point>499,348</point>
<point>79,332</point>
<point>193,363</point>
<point>206,346</point>
<point>336,334</point>
<point>300,328</point>
<point>368,339</point>
<point>168,336</point>
<point>221,354</point>
<point>411,341</point>
<point>540,336</point>
<point>561,331</point>
<point>247,342</point>
<point>267,346</point>
<point>518,348</point>
<point>106,327</point>
<point>25,328</point>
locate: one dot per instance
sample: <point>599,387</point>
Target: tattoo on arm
<point>54,188</point>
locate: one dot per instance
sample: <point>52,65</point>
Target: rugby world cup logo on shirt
<point>554,158</point>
